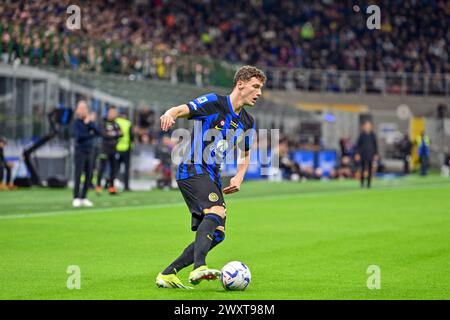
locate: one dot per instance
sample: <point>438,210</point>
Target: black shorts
<point>200,192</point>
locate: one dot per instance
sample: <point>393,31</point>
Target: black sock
<point>204,237</point>
<point>185,259</point>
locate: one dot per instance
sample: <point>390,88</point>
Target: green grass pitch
<point>312,240</point>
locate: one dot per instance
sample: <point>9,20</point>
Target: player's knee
<point>219,210</point>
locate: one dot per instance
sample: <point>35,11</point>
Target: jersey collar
<point>231,108</point>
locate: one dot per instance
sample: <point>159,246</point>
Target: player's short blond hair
<point>245,73</point>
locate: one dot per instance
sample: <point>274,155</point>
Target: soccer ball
<point>235,276</point>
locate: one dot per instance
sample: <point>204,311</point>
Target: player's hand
<point>166,122</point>
<point>235,185</point>
<point>87,119</point>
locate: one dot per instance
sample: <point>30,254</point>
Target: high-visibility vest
<point>124,143</point>
<point>426,140</point>
<point>423,144</point>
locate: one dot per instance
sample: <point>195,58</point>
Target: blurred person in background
<point>5,166</point>
<point>405,147</point>
<point>345,169</point>
<point>445,169</point>
<point>84,132</point>
<point>423,150</point>
<point>97,142</point>
<point>164,154</point>
<point>111,133</point>
<point>290,170</point>
<point>345,146</point>
<point>123,148</point>
<point>366,152</point>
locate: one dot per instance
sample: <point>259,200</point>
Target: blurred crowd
<point>150,37</point>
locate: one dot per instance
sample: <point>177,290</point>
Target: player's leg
<point>101,171</point>
<point>203,238</point>
<point>214,217</point>
<point>363,169</point>
<point>77,177</point>
<point>9,183</point>
<point>8,174</point>
<point>87,168</point>
<point>112,172</point>
<point>369,172</point>
<point>2,187</point>
<point>187,257</point>
<point>126,160</point>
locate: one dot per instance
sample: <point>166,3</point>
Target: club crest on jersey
<point>213,197</point>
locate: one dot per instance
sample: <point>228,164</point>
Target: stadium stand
<point>157,39</point>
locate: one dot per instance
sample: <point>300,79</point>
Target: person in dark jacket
<point>84,132</point>
<point>110,135</point>
<point>366,152</point>
<point>405,151</point>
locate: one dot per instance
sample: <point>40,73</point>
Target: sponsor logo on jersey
<point>222,123</point>
<point>233,124</point>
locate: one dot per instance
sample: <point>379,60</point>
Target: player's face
<point>367,127</point>
<point>112,114</point>
<point>251,91</point>
<point>82,110</point>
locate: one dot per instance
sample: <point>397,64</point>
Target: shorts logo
<point>213,197</point>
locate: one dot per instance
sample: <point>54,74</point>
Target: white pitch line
<point>176,204</point>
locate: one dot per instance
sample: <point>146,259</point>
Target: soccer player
<point>199,179</point>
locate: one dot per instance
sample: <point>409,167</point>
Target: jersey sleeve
<point>203,106</point>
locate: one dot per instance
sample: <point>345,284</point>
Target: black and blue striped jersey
<point>218,130</point>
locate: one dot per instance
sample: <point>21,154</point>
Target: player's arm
<point>170,116</point>
<point>235,182</point>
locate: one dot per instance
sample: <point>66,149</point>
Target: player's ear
<point>240,84</point>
